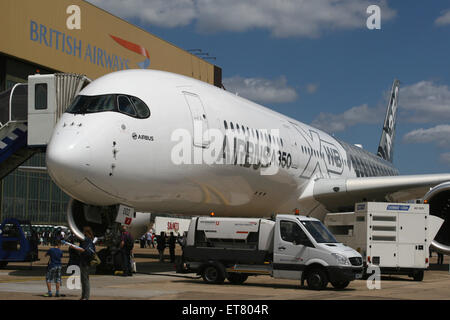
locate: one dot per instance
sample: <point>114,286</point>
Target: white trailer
<point>393,236</point>
<point>291,247</point>
<point>167,225</point>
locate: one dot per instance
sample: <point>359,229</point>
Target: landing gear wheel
<point>237,278</point>
<point>340,285</point>
<point>317,279</point>
<point>418,275</point>
<point>212,275</point>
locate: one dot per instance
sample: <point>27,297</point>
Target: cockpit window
<point>125,104</point>
<point>141,107</point>
<point>100,103</point>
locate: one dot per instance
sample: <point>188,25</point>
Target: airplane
<point>156,141</point>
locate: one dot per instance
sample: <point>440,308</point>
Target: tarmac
<point>159,281</point>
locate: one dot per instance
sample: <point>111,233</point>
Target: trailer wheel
<point>237,278</point>
<point>418,275</point>
<point>340,285</point>
<point>317,279</point>
<point>212,274</point>
<point>3,264</point>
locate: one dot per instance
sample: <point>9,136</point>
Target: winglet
<point>386,146</point>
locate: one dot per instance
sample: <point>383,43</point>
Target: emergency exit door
<point>199,120</point>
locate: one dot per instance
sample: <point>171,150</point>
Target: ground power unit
<point>392,236</point>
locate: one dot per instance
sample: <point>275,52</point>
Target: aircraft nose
<point>68,159</point>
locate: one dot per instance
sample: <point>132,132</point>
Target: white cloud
<point>425,102</point>
<point>339,122</point>
<point>262,90</point>
<point>161,13</point>
<point>444,19</point>
<point>284,18</point>
<point>287,18</point>
<point>439,135</point>
<point>422,102</point>
<point>445,158</point>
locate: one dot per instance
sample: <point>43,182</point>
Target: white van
<point>291,247</point>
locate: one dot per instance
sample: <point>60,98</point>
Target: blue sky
<point>316,61</point>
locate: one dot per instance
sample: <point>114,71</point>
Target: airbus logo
<point>136,136</point>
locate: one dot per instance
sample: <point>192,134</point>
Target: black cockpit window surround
<point>125,104</point>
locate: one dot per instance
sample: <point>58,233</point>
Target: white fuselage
<point>107,158</point>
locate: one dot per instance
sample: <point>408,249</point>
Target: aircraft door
<point>292,145</point>
<point>199,120</point>
<point>290,250</point>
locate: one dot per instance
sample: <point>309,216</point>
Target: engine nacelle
<point>439,200</point>
<point>102,222</point>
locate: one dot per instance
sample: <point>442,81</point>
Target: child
<point>54,269</point>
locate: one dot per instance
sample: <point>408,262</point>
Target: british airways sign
<point>88,52</point>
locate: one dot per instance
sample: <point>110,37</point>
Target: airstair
<point>29,112</point>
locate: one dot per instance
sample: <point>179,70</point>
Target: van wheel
<point>212,275</point>
<point>340,285</point>
<point>236,278</point>
<point>317,279</point>
<point>418,275</point>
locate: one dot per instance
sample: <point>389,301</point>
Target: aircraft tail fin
<point>386,146</point>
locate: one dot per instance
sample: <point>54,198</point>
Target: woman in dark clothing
<point>86,250</point>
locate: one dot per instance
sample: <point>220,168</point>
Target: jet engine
<point>439,200</point>
<point>102,220</point>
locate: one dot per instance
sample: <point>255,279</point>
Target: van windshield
<point>319,232</point>
<point>125,104</point>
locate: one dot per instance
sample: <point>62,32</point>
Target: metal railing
<point>14,105</point>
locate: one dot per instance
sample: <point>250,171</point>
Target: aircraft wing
<point>342,194</point>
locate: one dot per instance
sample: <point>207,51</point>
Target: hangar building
<point>48,36</point>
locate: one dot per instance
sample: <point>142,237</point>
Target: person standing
<point>153,240</point>
<point>161,245</point>
<point>87,251</point>
<point>126,249</point>
<point>54,269</point>
<point>172,242</point>
<point>143,241</point>
<point>440,259</point>
<point>149,238</point>
<point>182,242</point>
